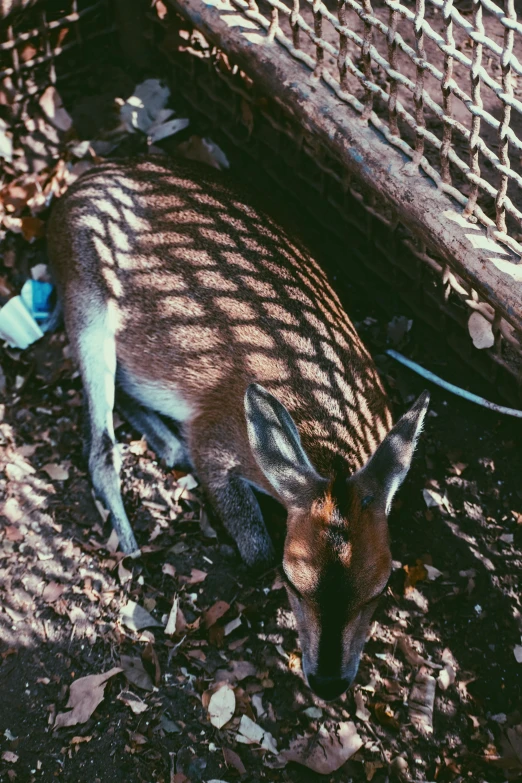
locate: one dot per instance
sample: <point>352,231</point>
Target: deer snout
<point>328,688</point>
<point>331,686</point>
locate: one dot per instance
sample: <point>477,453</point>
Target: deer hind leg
<point>157,433</point>
<point>230,495</point>
<point>95,346</point>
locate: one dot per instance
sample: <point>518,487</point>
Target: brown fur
<point>217,296</point>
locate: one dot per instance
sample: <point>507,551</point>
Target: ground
<point>63,591</point>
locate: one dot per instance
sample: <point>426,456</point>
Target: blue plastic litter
<point>36,295</point>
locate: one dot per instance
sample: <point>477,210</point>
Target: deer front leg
<point>236,505</point>
<point>230,495</point>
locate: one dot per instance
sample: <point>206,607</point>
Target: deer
<point>232,355</point>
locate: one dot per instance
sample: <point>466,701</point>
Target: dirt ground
<point>71,608</point>
<point>62,594</point>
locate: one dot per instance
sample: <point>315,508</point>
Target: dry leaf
<point>196,576</point>
<point>315,713</point>
<point>150,656</point>
<point>85,695</point>
<point>398,328</point>
<point>361,712</point>
<point>187,482</point>
<point>136,617</point>
<point>123,573</point>
<point>144,106</point>
<point>251,733</point>
<point>170,628</point>
<point>421,702</point>
<point>198,655</point>
<point>243,669</point>
<point>324,752</point>
<point>32,228</point>
<point>135,672</point>
<point>233,760</point>
<point>53,107</point>
<point>162,129</point>
<point>215,612</point>
<point>446,677</point>
<point>52,592</point>
<point>414,574</point>
<point>168,569</point>
<point>9,756</point>
<point>434,499</point>
<point>232,626</point>
<point>238,670</point>
<point>412,656</point>
<point>56,472</point>
<point>113,542</point>
<point>168,726</point>
<point>102,511</point>
<point>257,704</point>
<point>77,616</point>
<point>481,331</point>
<point>161,9</point>
<point>222,706</point>
<point>133,701</point>
<point>15,195</point>
<point>386,716</point>
<point>370,768</point>
<point>80,740</point>
<point>458,468</point>
<point>204,150</point>
<point>433,573</point>
<point>138,447</point>
<point>12,533</point>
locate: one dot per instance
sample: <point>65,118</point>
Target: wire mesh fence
<point>438,80</point>
<point>34,38</point>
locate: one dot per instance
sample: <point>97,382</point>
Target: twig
<point>378,741</point>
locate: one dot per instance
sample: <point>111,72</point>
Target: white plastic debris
<point>17,325</point>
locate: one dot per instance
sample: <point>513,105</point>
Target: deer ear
<point>389,465</point>
<point>277,448</point>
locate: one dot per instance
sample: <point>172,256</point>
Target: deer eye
<point>366,501</point>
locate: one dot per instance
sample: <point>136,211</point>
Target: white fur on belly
<point>165,400</point>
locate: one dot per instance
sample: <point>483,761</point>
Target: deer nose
<point>328,688</point>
